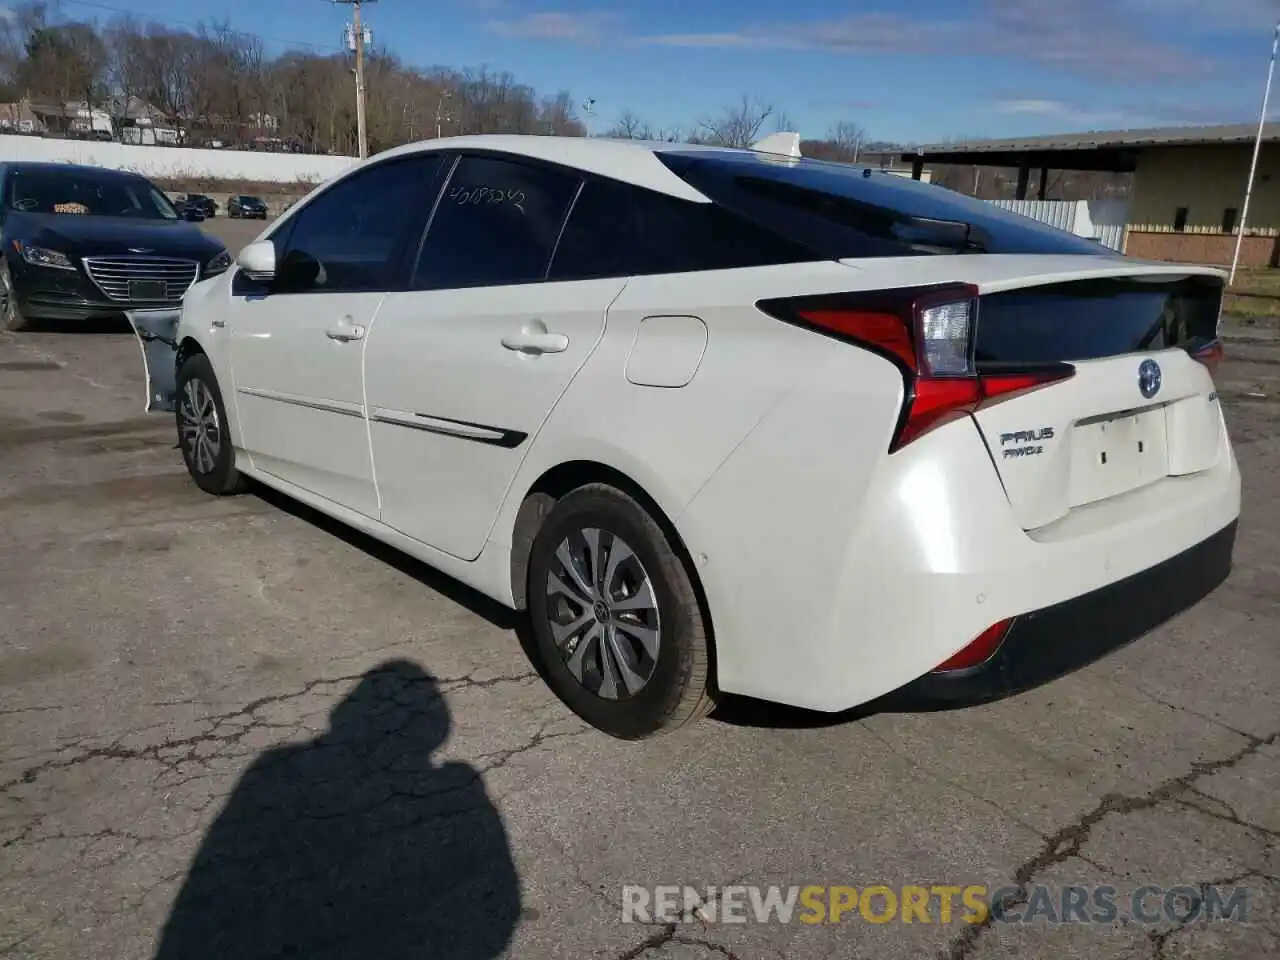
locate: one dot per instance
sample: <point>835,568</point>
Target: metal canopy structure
<point>1115,151</point>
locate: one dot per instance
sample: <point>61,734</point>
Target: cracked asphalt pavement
<point>230,728</point>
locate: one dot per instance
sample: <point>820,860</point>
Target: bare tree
<point>124,75</point>
<point>629,127</point>
<point>213,82</point>
<point>848,139</point>
<point>737,126</point>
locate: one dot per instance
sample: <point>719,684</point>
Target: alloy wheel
<point>603,613</point>
<point>200,426</point>
<point>8,302</point>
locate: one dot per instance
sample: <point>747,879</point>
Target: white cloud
<point>1109,39</point>
<point>589,27</point>
<point>1096,115</point>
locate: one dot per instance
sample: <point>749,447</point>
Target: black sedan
<point>189,211</point>
<point>206,205</point>
<point>78,243</point>
<point>248,208</point>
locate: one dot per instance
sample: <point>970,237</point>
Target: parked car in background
<point>206,205</point>
<point>194,212</point>
<point>80,242</point>
<point>724,421</point>
<point>246,207</point>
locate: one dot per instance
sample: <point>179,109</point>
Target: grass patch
<point>1255,297</point>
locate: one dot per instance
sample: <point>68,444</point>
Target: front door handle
<point>345,332</point>
<point>533,338</point>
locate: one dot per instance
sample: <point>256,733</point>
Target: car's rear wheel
<point>202,429</point>
<point>11,317</point>
<point>616,617</point>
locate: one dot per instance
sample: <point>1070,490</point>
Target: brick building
<point>1188,184</point>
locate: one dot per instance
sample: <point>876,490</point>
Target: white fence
<point>177,162</point>
<point>1101,220</point>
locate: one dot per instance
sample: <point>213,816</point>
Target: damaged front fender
<point>157,332</point>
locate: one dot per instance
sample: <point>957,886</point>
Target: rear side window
<point>496,222</point>
<point>596,241</point>
<point>678,236</point>
<point>843,211</point>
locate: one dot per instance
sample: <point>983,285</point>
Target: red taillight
<point>979,651</point>
<point>885,331</point>
<point>928,332</point>
<point>1211,356</point>
<point>938,400</point>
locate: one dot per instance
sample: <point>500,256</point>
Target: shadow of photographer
<point>354,844</point>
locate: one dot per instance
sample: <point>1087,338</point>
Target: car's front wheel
<point>203,436</point>
<point>616,618</point>
<point>11,317</point>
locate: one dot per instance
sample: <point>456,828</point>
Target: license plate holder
<point>148,290</point>
<point>1113,455</point>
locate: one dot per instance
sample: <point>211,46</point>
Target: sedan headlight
<point>218,264</point>
<point>40,257</point>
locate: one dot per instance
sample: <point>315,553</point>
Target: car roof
<point>633,161</point>
<point>80,168</point>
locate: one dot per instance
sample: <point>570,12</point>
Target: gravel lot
<point>302,738</point>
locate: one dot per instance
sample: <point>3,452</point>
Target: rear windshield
<point>1090,319</point>
<point>841,211</point>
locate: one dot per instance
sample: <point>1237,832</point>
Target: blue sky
<point>914,71</point>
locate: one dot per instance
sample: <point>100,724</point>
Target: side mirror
<point>258,260</point>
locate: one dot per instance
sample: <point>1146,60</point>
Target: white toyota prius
<point>724,421</point>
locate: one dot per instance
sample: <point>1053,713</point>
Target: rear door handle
<point>534,338</point>
<point>345,331</point>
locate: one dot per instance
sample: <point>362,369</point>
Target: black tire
<point>677,688</point>
<point>211,465</point>
<point>11,317</point>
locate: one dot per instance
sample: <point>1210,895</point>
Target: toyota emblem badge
<point>1149,378</point>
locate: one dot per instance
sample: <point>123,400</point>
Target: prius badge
<point>1149,378</point>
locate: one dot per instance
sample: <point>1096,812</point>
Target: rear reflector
<point>979,651</point>
<point>928,332</point>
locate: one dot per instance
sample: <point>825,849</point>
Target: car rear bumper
<point>848,589</point>
<point>1051,642</point>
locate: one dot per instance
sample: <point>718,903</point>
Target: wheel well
<point>564,479</point>
<point>188,348</point>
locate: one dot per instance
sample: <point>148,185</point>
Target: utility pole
<point>445,95</point>
<point>1257,148</point>
<point>357,39</point>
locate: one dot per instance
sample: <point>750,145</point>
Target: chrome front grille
<point>113,276</point>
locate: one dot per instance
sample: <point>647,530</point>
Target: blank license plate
<point>148,290</point>
<point>1110,457</point>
